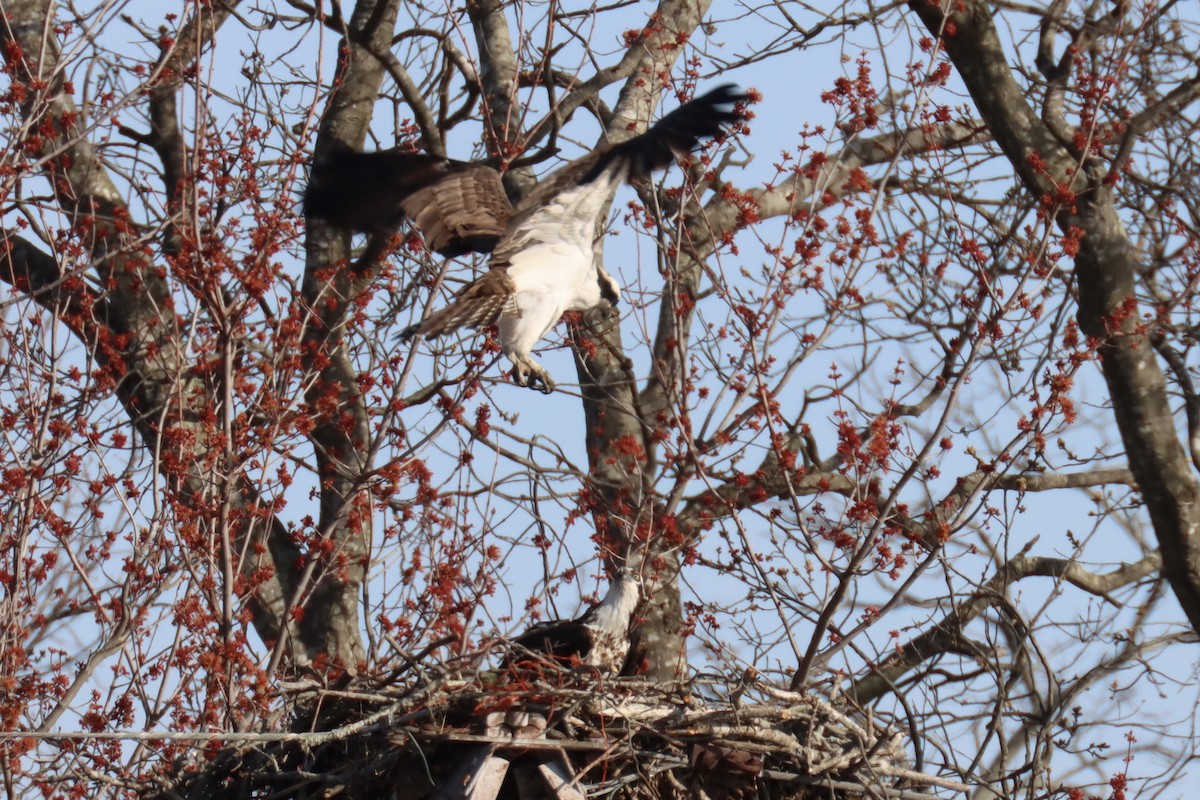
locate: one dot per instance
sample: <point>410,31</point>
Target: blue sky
<point>984,416</point>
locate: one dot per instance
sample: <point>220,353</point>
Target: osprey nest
<point>556,735</point>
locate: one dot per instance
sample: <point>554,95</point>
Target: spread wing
<point>464,210</point>
<point>480,303</point>
<point>459,207</point>
<point>564,197</point>
<point>678,133</point>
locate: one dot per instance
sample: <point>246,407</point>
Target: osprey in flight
<point>543,262</point>
<point>599,638</point>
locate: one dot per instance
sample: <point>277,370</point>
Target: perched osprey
<point>599,638</point>
<point>543,262</point>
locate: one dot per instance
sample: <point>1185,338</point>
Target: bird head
<point>610,290</point>
<point>618,606</point>
<point>626,587</point>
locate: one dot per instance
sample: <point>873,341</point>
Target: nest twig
<point>493,737</point>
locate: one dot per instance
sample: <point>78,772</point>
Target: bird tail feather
<point>464,312</point>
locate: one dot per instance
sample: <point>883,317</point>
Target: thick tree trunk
<point>1105,269</point>
<point>132,327</point>
<point>618,434</point>
<point>341,436</point>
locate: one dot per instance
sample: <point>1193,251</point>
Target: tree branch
<point>133,331</point>
<point>943,636</point>
<point>1105,270</point>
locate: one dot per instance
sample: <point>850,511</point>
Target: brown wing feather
<point>558,639</point>
<point>363,191</point>
<point>464,210</point>
<point>459,207</point>
<point>480,303</point>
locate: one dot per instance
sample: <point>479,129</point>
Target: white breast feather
<point>572,216</point>
<point>555,269</point>
<point>609,626</point>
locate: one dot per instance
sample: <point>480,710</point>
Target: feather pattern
<point>481,303</point>
<point>570,214</point>
<point>543,257</point>
<point>465,211</point>
<point>459,207</point>
<point>598,638</point>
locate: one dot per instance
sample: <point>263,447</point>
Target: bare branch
<point>942,637</point>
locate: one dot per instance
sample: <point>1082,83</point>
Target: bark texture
<point>132,328</point>
<point>1077,195</point>
<point>341,434</point>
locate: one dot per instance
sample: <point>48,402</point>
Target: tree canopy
<point>895,417</point>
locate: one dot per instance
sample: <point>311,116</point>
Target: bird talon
<point>530,378</point>
<point>540,377</point>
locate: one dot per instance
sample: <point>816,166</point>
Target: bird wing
<point>464,210</point>
<point>678,133</point>
<point>576,194</point>
<point>599,636</point>
<point>459,207</point>
<point>462,207</point>
<point>480,303</point>
<point>557,639</point>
